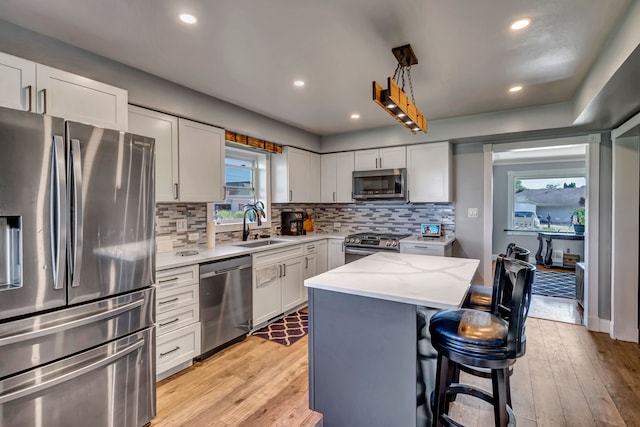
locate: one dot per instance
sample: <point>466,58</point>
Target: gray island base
<point>371,362</point>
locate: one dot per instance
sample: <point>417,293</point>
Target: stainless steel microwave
<point>380,184</point>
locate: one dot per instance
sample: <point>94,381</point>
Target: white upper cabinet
<point>336,176</point>
<point>29,86</point>
<point>17,83</point>
<point>200,162</point>
<point>429,172</point>
<point>78,98</point>
<point>295,176</point>
<point>164,128</point>
<point>382,158</point>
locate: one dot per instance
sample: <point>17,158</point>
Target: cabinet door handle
<point>290,195</point>
<point>44,101</point>
<point>408,195</point>
<point>168,301</point>
<point>29,89</point>
<point>170,351</point>
<point>334,196</point>
<point>175,190</point>
<point>306,263</point>
<point>380,162</point>
<point>376,163</point>
<point>168,280</point>
<point>169,322</point>
<point>279,270</point>
<point>284,268</point>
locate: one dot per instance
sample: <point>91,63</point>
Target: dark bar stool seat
<point>478,339</point>
<point>479,297</point>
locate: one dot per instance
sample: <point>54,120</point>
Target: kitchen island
<point>370,359</point>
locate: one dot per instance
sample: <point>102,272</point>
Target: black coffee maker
<point>292,223</point>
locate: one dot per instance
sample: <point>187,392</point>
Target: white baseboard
<point>596,324</point>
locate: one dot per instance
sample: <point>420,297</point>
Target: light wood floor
<point>569,377</point>
<point>558,309</point>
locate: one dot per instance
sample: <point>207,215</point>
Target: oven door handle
<point>354,251</point>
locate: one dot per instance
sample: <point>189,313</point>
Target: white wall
<point>149,91</point>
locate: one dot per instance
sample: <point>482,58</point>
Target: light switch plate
<point>181,225</point>
<point>472,213</point>
<point>337,225</point>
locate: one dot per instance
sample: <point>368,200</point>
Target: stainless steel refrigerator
<point>77,261</point>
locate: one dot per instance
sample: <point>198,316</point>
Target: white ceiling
<point>250,52</point>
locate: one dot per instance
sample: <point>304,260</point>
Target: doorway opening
<point>539,203</point>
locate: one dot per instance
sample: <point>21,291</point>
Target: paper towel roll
<point>211,234</point>
<point>211,226</point>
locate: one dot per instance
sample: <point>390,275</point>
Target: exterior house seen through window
<point>546,200</point>
<point>245,182</point>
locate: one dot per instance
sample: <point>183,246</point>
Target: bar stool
<point>479,297</point>
<point>478,339</point>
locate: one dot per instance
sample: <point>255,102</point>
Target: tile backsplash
<point>327,218</point>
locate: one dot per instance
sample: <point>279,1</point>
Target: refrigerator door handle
<point>77,212</point>
<point>58,220</point>
<point>70,375</point>
<point>12,339</point>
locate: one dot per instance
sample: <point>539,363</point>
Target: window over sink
<point>246,179</point>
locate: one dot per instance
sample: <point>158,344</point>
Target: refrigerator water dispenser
<point>11,258</point>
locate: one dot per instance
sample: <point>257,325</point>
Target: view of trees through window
<point>549,203</point>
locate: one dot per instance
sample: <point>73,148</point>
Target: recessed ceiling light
<point>520,24</point>
<point>401,115</point>
<point>298,83</point>
<point>355,116</point>
<point>391,105</point>
<point>187,18</point>
<point>515,89</point>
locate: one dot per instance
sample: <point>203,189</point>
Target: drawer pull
<point>168,280</point>
<point>168,301</point>
<point>169,322</point>
<point>170,351</point>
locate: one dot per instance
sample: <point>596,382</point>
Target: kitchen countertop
<point>166,260</point>
<point>442,241</point>
<point>431,281</point>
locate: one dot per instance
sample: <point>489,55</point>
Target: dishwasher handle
<point>217,268</point>
<point>223,271</point>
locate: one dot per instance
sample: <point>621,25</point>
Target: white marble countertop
<point>166,260</point>
<point>441,241</point>
<point>431,281</point>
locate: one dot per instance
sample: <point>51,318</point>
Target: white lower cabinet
<point>178,331</point>
<point>322,256</point>
<point>425,248</point>
<point>335,253</point>
<point>277,283</point>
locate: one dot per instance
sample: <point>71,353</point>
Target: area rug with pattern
<point>554,284</point>
<point>287,330</point>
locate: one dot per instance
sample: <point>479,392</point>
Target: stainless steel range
<point>359,245</point>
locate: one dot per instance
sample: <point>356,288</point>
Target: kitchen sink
<point>259,243</point>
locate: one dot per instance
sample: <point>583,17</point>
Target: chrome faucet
<point>255,211</point>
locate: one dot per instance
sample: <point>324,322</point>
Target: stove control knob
<point>357,240</point>
<point>348,240</point>
<point>394,244</point>
<point>388,243</point>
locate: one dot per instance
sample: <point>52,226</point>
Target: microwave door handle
<point>58,219</point>
<point>77,212</point>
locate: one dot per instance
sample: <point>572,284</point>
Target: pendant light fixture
<point>394,100</point>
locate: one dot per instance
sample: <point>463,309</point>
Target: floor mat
<point>287,330</point>
<point>555,284</point>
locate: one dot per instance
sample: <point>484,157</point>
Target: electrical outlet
<point>337,225</point>
<point>193,237</point>
<point>472,213</point>
<point>181,225</point>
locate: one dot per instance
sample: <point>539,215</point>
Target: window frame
<point>262,186</point>
<point>512,176</point>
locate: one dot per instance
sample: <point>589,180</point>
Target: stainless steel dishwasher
<point>225,302</point>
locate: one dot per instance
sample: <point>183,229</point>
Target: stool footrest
<point>457,388</point>
<point>445,420</point>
